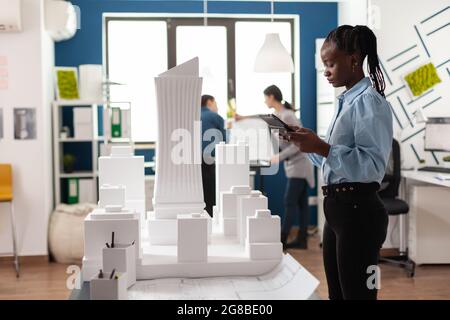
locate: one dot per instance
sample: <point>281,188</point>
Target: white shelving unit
<point>58,142</point>
<point>125,110</point>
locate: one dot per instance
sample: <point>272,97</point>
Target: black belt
<point>350,187</point>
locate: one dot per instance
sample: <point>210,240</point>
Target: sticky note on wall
<point>422,79</point>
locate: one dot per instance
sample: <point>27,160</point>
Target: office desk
<point>425,177</point>
<point>429,217</point>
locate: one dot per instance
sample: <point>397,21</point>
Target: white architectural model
<point>125,169</point>
<point>179,238</point>
<point>232,167</point>
<point>178,182</point>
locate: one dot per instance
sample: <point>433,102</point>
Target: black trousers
<point>209,186</point>
<point>355,229</point>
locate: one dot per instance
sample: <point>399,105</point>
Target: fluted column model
<point>178,179</point>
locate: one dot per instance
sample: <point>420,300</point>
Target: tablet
<point>275,123</point>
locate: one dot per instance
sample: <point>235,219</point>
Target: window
<point>210,45</point>
<point>137,52</point>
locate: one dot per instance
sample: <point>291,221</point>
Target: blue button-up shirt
<point>212,121</point>
<point>360,137</point>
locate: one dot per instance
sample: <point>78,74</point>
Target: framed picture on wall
<point>24,123</point>
<point>66,83</point>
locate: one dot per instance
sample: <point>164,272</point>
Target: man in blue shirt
<point>213,131</point>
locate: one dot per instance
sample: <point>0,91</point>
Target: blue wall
<point>316,20</point>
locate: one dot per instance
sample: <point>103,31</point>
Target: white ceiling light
<point>273,56</point>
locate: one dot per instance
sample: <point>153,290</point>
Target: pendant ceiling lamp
<point>273,56</point>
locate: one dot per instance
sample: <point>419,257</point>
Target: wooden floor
<point>41,280</point>
<point>38,280</point>
<point>429,282</point>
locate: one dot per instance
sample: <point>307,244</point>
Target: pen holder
<point>109,289</point>
<point>122,258</point>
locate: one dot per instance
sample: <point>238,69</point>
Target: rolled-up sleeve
<point>368,157</point>
<point>315,159</point>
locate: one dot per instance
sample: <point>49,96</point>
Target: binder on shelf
<point>86,191</point>
<point>116,123</point>
<point>82,123</point>
<point>72,191</point>
<point>125,117</point>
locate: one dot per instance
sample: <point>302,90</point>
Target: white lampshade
<point>273,56</point>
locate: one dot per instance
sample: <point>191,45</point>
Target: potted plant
<point>69,163</point>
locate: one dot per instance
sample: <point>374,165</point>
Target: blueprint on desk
<point>289,280</point>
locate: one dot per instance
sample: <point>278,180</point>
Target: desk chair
<point>397,207</point>
<point>6,195</point>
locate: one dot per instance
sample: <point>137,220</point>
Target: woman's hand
<point>275,159</point>
<point>308,141</point>
<point>238,117</point>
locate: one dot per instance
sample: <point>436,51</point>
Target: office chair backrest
<point>391,191</point>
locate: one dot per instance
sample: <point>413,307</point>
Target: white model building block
<point>102,214</point>
<point>232,167</point>
<point>228,205</point>
<point>229,201</point>
<point>246,208</point>
<point>263,236</point>
<point>162,231</point>
<point>265,251</point>
<point>122,168</point>
<point>98,231</point>
<point>98,227</point>
<point>229,226</point>
<point>263,227</point>
<point>192,238</point>
<point>165,231</point>
<point>122,258</point>
<point>111,196</point>
<point>136,205</point>
<point>178,181</point>
<point>109,289</point>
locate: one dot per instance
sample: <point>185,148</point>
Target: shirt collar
<point>356,90</point>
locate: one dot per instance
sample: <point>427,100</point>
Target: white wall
<point>30,56</point>
<point>393,23</point>
<point>394,27</point>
